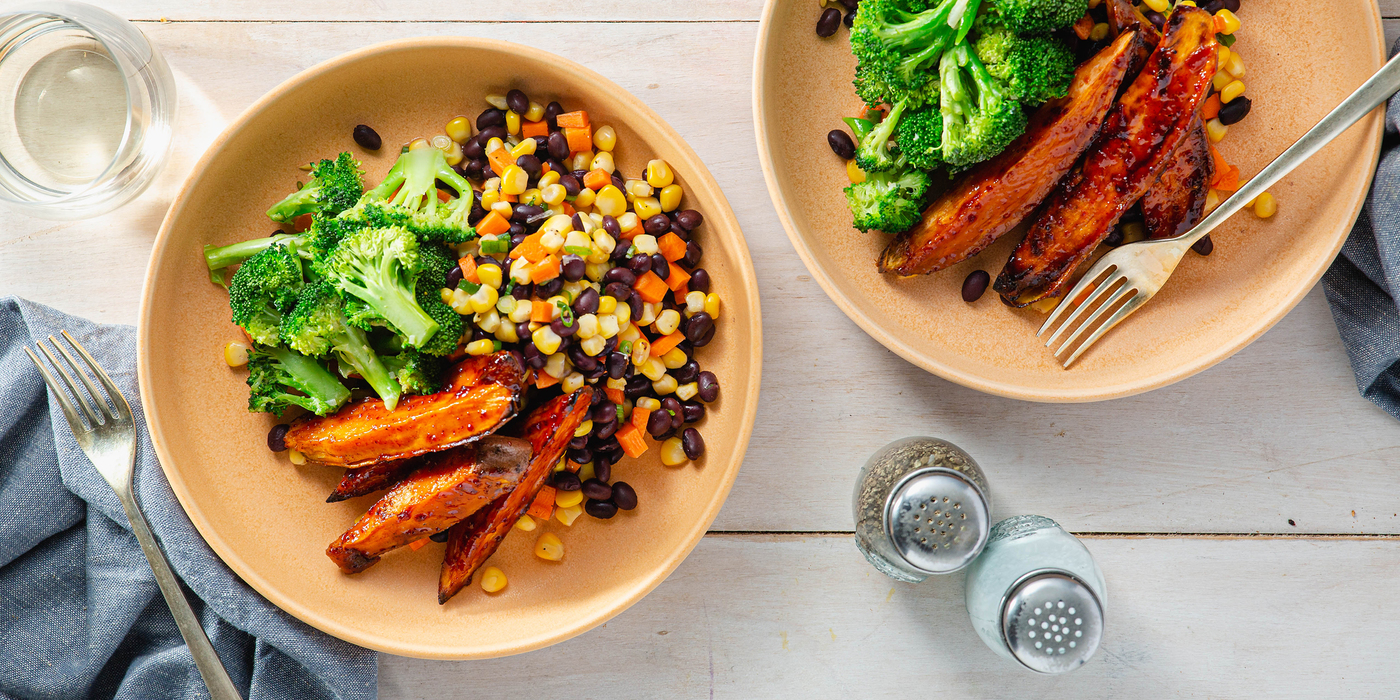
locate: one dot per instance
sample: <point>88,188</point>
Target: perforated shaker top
<point>938,520</point>
<point>1052,622</point>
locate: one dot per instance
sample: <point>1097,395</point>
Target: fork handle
<point>211,668</point>
<point>1373,93</point>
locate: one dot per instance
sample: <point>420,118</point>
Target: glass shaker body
<point>1036,596</point>
<point>921,508</point>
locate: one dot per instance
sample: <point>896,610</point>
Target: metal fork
<point>1122,281</point>
<point>106,432</point>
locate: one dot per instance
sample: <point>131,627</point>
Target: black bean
<point>841,144</point>
<point>677,229</point>
<point>492,132</point>
<point>617,365</point>
<point>551,112</point>
<point>658,423</point>
<point>618,182</point>
<point>518,101</point>
<point>1234,110</point>
<point>1232,5</point>
<point>517,233</point>
<point>604,431</point>
<point>440,536</point>
<point>562,330</point>
<point>699,281</point>
<point>566,481</point>
<point>609,447</point>
<point>521,291</point>
<point>687,372</point>
<point>491,117</point>
<point>530,164</point>
<point>454,277</point>
<point>829,21</point>
<point>478,334</point>
<point>571,184</point>
<point>690,219</point>
<point>558,146</point>
<point>672,407</point>
<point>601,510</point>
<point>618,290</point>
<point>587,302</point>
<point>624,496</point>
<point>597,490</point>
<point>620,274</point>
<point>699,329</point>
<point>367,137</point>
<point>709,387</point>
<point>693,253</point>
<point>604,412</point>
<point>1115,237</point>
<point>611,226</point>
<point>1205,246</point>
<point>635,302</point>
<point>583,362</point>
<point>277,438</point>
<point>532,354</point>
<point>657,225</point>
<point>602,468</point>
<point>581,456</point>
<point>542,146</point>
<point>573,268</point>
<point>1156,18</point>
<point>596,398</point>
<point>580,174</point>
<point>639,264</point>
<point>692,411</point>
<point>523,212</point>
<point>474,148</point>
<point>975,285</point>
<point>579,443</point>
<point>850,19</point>
<point>692,443</point>
<point>549,288</point>
<point>1214,6</point>
<point>661,267</point>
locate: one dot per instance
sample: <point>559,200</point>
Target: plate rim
<point>745,278</point>
<point>1374,122</point>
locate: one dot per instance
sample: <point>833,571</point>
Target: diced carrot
<point>543,505</point>
<point>580,138</point>
<point>468,265</point>
<point>443,196</point>
<point>665,344</point>
<point>568,208</point>
<point>544,168</point>
<point>417,544</point>
<point>492,224</point>
<point>678,278</point>
<point>1220,164</point>
<point>633,232</point>
<point>545,270</point>
<point>615,395</point>
<point>1083,26</point>
<point>1228,180</point>
<point>301,223</point>
<point>1211,108</point>
<point>680,294</point>
<point>639,418</point>
<point>632,440</point>
<point>541,312</point>
<point>651,288</point>
<point>508,198</point>
<point>577,119</point>
<point>672,247</point>
<point>530,130</point>
<point>596,179</point>
<point>500,160</point>
<point>544,381</point>
<point>530,248</point>
<point>1220,25</point>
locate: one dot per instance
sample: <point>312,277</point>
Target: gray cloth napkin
<point>1362,283</point>
<point>80,613</point>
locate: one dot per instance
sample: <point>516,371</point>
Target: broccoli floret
<point>264,288</point>
<point>874,153</point>
<point>380,268</point>
<point>897,46</point>
<point>335,186</point>
<point>275,373</point>
<point>980,118</point>
<point>435,264</point>
<point>317,326</point>
<point>1035,16</point>
<point>408,198</point>
<point>1034,68</point>
<point>417,372</point>
<point>919,136</point>
<point>888,201</point>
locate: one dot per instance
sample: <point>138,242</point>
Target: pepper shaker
<point>1036,596</point>
<point>921,508</point>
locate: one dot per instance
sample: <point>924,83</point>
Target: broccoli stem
<point>310,377</point>
<point>352,348</point>
<point>303,201</point>
<point>219,257</point>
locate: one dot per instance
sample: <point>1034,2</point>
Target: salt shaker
<point>1036,596</point>
<point>921,508</point>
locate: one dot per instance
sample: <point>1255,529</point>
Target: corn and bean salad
<point>595,277</point>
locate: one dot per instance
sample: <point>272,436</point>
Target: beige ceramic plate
<point>1299,68</point>
<point>267,518</point>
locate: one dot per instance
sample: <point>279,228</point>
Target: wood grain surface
<point>775,602</point>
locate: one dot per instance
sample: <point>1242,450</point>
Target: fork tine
<point>75,421</point>
<point>1087,326</point>
<point>96,395</point>
<point>123,409</point>
<point>1065,307</point>
<point>1137,300</point>
<point>1087,308</point>
<point>64,373</point>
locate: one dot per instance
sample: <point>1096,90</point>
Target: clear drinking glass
<point>87,106</point>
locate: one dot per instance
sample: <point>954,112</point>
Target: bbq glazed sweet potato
<point>1177,200</point>
<point>1138,138</point>
<point>548,429</point>
<point>360,481</point>
<point>453,485</point>
<point>996,195</point>
<point>482,394</point>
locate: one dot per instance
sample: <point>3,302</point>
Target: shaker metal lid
<point>1051,621</point>
<point>937,519</point>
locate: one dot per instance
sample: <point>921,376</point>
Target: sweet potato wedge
<point>482,394</point>
<point>996,195</point>
<point>1177,200</point>
<point>548,429</point>
<point>1138,138</point>
<point>361,481</point>
<point>1123,17</point>
<point>452,486</point>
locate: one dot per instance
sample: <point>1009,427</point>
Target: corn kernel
<point>571,382</point>
<point>623,314</point>
<point>508,333</point>
<point>674,358</point>
<point>493,145</point>
<point>503,208</point>
<point>665,385</point>
<point>628,221</point>
<point>453,152</point>
<point>550,547</point>
<point>610,201</point>
<point>552,241</point>
<point>459,129</point>
<point>568,515</point>
<point>588,198</point>
<point>581,160</point>
<point>605,138</point>
<point>484,299</point>
<point>603,161</point>
<point>564,499</point>
<point>520,271</point>
<point>641,351</point>
<point>296,458</point>
<point>653,368</point>
<point>490,275</point>
<point>525,524</point>
<point>607,325</point>
<point>1158,5</point>
<point>1231,91</point>
<point>489,198</point>
<point>514,180</point>
<point>649,312</point>
<point>533,196</point>
<point>497,101</point>
<point>549,178</point>
<point>694,303</point>
<point>1215,130</point>
<point>668,321</point>
<point>559,224</point>
<point>594,346</point>
<point>606,305</point>
<point>481,347</point>
<point>646,207</point>
<point>535,112</point>
<point>670,198</point>
<point>587,326</point>
<point>1220,80</point>
<point>659,173</point>
<point>1222,56</point>
<point>524,148</point>
<point>686,392</point>
<point>546,341</point>
<point>604,242</point>
<point>461,301</point>
<point>512,122</point>
<point>417,144</point>
<point>492,579</point>
<point>648,403</point>
<point>672,453</point>
<point>236,354</point>
<point>1212,201</point>
<point>553,194</point>
<point>1265,206</point>
<point>521,312</point>
<point>646,243</point>
<point>712,305</point>
<point>489,321</point>
<point>637,188</point>
<point>1230,23</point>
<point>854,173</point>
<point>1099,32</point>
<point>556,365</point>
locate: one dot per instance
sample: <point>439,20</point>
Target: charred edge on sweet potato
<point>1177,200</point>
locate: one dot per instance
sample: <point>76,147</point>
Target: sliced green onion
<point>579,250</point>
<point>494,245</point>
<point>860,127</point>
<point>1227,39</point>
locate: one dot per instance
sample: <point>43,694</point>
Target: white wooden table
<point>1247,519</point>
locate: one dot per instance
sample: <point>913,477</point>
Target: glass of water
<point>87,106</point>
